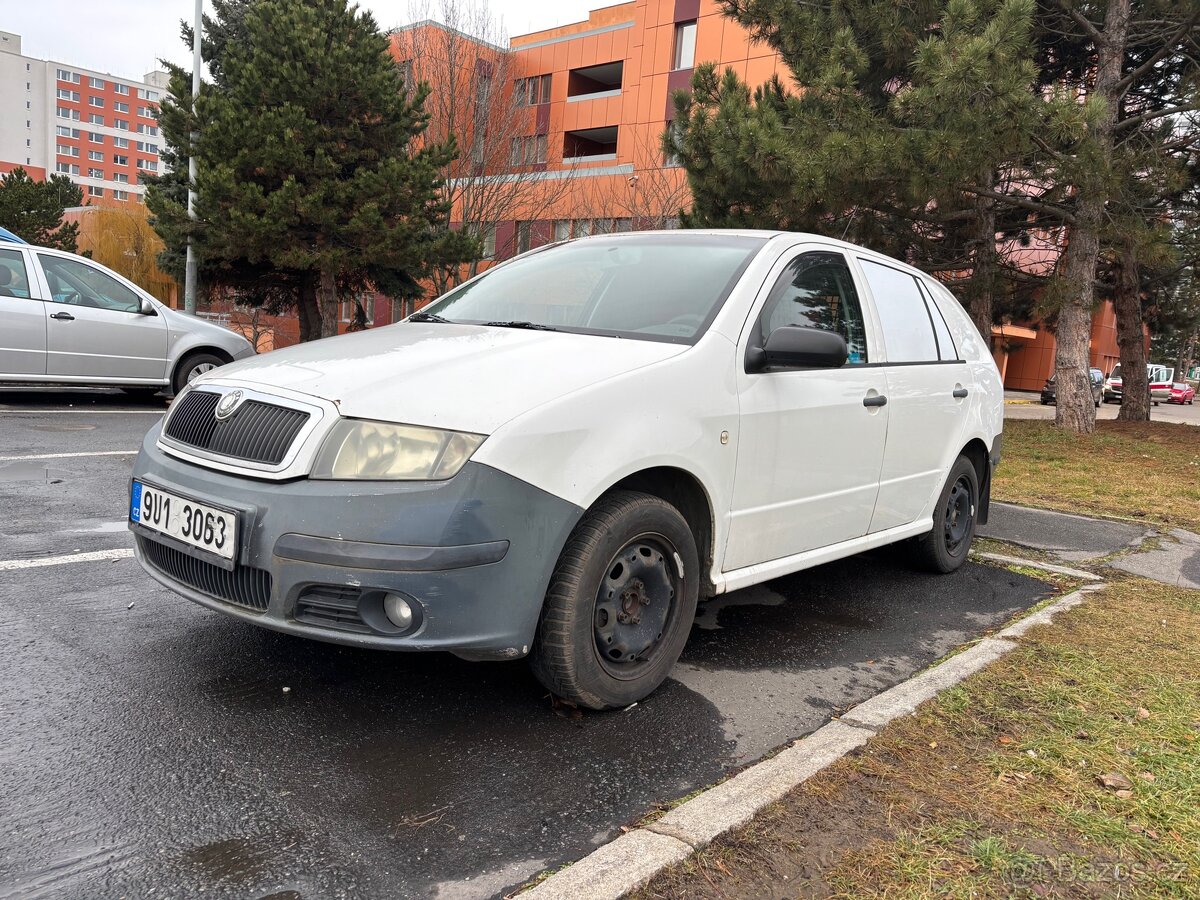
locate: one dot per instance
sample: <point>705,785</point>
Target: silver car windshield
<point>662,287</point>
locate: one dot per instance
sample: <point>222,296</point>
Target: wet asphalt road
<point>155,747</point>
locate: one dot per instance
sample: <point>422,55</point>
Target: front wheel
<point>945,548</point>
<point>193,367</point>
<point>621,603</point>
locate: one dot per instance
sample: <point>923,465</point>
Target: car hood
<point>463,377</point>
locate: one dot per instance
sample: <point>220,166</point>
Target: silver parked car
<point>67,320</point>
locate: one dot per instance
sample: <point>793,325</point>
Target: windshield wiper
<point>532,326</point>
<point>428,317</point>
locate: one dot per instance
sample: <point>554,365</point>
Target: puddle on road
<point>63,427</point>
<point>31,470</point>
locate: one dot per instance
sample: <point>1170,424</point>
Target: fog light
<point>398,611</point>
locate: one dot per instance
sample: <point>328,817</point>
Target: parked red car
<point>1182,393</point>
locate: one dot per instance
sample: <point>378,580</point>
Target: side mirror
<point>798,347</point>
<point>147,308</point>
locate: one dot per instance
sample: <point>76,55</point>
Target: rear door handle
<point>959,393</point>
<point>878,400</point>
<point>63,317</point>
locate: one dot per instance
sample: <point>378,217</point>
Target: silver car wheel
<point>196,371</point>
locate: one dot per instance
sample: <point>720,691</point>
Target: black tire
<point>945,548</point>
<point>625,538</point>
<point>193,363</point>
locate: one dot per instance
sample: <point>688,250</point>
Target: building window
<point>405,70</point>
<point>64,131</point>
<point>66,150</point>
<point>348,309</point>
<point>96,173</point>
<point>150,95</point>
<point>122,89</point>
<point>95,119</point>
<point>121,107</point>
<point>121,195</point>
<point>685,45</point>
<point>96,155</point>
<point>147,148</point>
<point>675,136</point>
<point>95,137</point>
<point>66,168</point>
<point>562,230</point>
<point>145,112</point>
<point>97,83</point>
<point>64,94</point>
<point>122,143</point>
<point>528,151</point>
<point>120,160</point>
<point>94,191</point>
<point>96,101</point>
<point>147,129</point>
<point>532,91</point>
<point>122,124</point>
<point>64,75</point>
<point>120,178</point>
<point>524,236</point>
<point>148,165</point>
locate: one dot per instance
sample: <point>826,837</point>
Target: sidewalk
<point>1039,757</point>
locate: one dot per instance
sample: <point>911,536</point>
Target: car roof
<point>7,236</point>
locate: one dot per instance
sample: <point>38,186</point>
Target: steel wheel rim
<point>200,369</point>
<point>960,510</point>
<point>636,605</point>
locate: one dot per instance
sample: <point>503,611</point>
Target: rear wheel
<point>621,603</point>
<point>945,548</point>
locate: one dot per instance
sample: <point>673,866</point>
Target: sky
<point>128,37</point>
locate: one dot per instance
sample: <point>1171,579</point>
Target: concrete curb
<point>629,862</point>
<point>1049,567</point>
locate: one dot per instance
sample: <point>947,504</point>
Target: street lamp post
<point>189,277</point>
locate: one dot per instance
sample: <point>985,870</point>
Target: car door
<point>95,326</point>
<point>928,395</point>
<point>22,318</point>
<point>811,441</point>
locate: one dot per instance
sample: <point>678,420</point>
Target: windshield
<point>662,287</point>
<point>1115,373</point>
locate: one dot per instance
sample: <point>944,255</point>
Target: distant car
<point>69,320</point>
<point>1158,377</point>
<point>1096,377</point>
<point>1182,392</point>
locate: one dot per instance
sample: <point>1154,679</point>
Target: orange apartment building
<point>578,141</point>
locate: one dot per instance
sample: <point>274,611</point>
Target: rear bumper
<point>475,553</point>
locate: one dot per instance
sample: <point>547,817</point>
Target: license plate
<point>187,521</point>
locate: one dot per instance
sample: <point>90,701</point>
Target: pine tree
<point>33,210</point>
<point>308,172</point>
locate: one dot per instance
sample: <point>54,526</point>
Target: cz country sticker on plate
<point>187,521</point>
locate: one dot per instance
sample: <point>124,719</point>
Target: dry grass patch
<point>1011,784</point>
<point>1140,470</point>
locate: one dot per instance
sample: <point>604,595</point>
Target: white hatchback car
<point>65,319</point>
<point>562,456</point>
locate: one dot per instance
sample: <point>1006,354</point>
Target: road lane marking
<point>18,410</point>
<point>8,565</point>
<point>69,455</point>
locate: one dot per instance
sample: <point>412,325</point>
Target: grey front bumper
<point>476,551</point>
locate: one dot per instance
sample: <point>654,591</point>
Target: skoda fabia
<point>561,457</point>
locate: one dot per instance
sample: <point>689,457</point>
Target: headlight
<point>378,451</point>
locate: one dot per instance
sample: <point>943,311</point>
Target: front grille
<point>245,586</point>
<point>256,432</point>
<point>331,607</point>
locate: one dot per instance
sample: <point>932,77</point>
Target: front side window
<point>908,333</point>
<point>816,290</point>
<point>78,284</point>
<point>14,280</point>
<point>661,287</point>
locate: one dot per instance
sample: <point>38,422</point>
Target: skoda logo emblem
<point>228,405</point>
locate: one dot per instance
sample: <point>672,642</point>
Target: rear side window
<point>945,342</point>
<point>14,280</point>
<point>908,333</point>
<point>816,290</point>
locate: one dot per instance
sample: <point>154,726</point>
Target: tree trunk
<point>1131,338</point>
<point>1074,408</point>
<point>327,300</point>
<point>983,278</point>
<point>308,310</point>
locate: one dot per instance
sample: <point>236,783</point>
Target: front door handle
<point>878,400</point>
<point>63,317</point>
<point>959,393</point>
